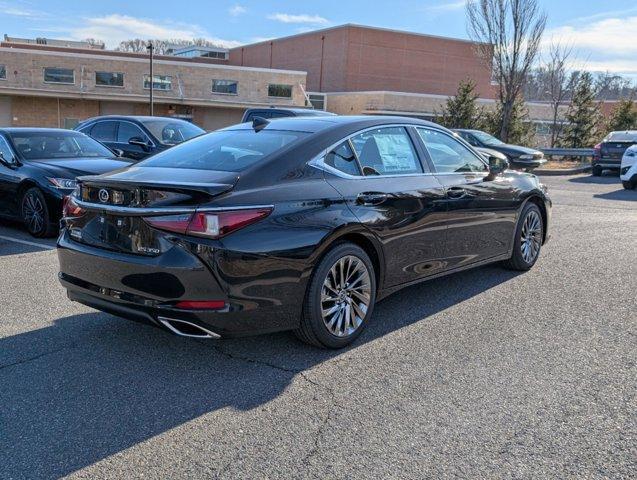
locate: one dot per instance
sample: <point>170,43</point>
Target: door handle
<point>458,193</point>
<point>371,198</point>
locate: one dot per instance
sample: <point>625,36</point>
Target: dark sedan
<point>520,157</point>
<point>137,136</point>
<point>38,168</point>
<point>609,152</point>
<point>294,224</point>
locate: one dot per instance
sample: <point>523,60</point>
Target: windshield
<point>626,136</point>
<point>487,139</point>
<point>225,150</point>
<point>171,132</point>
<point>57,144</point>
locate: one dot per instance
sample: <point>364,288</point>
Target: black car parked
<point>609,152</point>
<point>520,157</point>
<point>299,224</point>
<point>268,113</point>
<point>139,137</point>
<point>38,168</point>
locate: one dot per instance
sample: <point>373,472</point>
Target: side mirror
<point>8,162</point>
<point>497,165</point>
<point>139,142</point>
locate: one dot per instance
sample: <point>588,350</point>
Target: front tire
<point>340,298</point>
<point>597,171</point>
<point>529,234</point>
<point>35,214</point>
<point>628,185</point>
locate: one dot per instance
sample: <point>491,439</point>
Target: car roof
<point>136,118</point>
<point>316,124</point>
<point>301,111</point>
<point>37,130</point>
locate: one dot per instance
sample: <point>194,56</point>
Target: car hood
<point>515,150</point>
<point>74,167</point>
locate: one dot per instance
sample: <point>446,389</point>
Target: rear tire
<point>340,298</point>
<point>597,171</point>
<point>35,214</point>
<point>527,242</point>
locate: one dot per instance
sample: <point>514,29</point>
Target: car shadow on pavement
<point>92,385</point>
<point>607,178</point>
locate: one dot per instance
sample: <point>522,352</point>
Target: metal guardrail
<point>568,152</point>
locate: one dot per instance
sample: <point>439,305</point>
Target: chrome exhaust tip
<point>184,328</point>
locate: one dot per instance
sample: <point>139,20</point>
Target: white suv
<point>628,169</point>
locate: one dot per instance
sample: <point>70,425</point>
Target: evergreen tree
<point>624,116</point>
<point>583,117</point>
<point>461,111</point>
<point>521,130</point>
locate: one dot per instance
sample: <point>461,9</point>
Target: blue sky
<point>602,33</point>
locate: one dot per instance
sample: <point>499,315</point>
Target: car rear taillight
<point>597,151</point>
<point>71,209</point>
<point>209,225</point>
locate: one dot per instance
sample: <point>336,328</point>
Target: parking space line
<point>26,242</point>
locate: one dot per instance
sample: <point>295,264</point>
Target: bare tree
<point>508,34</point>
<point>559,84</point>
<point>138,45</point>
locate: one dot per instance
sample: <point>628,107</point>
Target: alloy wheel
<point>33,212</point>
<point>345,296</point>
<point>531,237</point>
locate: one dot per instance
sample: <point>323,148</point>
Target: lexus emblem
<point>103,195</point>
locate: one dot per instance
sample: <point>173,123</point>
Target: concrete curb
<point>566,171</point>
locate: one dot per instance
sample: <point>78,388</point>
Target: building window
<point>109,79</point>
<point>279,90</point>
<point>59,75</point>
<point>160,82</point>
<point>317,100</point>
<point>71,123</point>
<point>3,72</point>
<point>224,86</point>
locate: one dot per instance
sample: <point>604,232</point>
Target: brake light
<point>71,209</point>
<point>201,305</point>
<point>209,225</point>
<point>597,150</point>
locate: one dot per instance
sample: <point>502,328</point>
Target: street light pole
<point>150,49</point>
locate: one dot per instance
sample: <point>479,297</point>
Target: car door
<point>133,141</point>
<point>482,208</point>
<point>9,179</point>
<point>387,187</point>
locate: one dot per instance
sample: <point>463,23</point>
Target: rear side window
<point>342,158</point>
<point>226,150</point>
<point>104,131</point>
<point>386,151</point>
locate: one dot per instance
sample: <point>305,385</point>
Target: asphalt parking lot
<point>483,374</point>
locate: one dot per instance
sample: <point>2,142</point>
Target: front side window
<point>386,151</point>
<point>229,87</point>
<point>104,131</point>
<point>160,82</point>
<point>172,132</point>
<point>5,150</point>
<point>279,90</point>
<point>342,158</point>
<point>448,154</point>
<point>59,75</point>
<point>58,144</point>
<point>3,72</point>
<point>224,150</point>
<point>127,130</point>
<point>109,79</point>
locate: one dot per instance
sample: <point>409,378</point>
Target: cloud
<point>450,6</point>
<point>115,28</point>
<point>288,18</point>
<point>607,44</point>
<point>237,10</point>
<point>14,9</point>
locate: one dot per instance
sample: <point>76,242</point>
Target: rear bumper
<point>145,289</point>
<point>607,163</point>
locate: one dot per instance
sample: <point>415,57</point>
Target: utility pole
<point>150,49</point>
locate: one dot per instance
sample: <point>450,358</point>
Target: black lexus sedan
<point>520,157</point>
<point>38,167</point>
<point>294,224</point>
<point>137,136</point>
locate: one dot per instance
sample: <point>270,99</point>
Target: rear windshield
<point>226,150</point>
<point>41,145</point>
<point>172,132</point>
<point>628,136</point>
